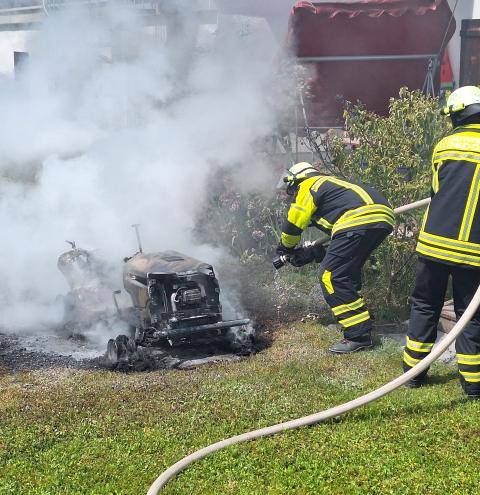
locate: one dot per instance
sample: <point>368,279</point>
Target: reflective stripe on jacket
<point>451,227</point>
<point>334,205</point>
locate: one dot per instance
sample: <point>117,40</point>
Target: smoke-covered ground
<point>108,125</point>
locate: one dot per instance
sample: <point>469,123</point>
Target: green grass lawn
<point>95,432</point>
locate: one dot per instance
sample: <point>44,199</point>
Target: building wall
<point>10,42</point>
<point>464,10</point>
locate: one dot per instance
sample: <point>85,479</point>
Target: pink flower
<point>234,206</point>
<point>258,235</point>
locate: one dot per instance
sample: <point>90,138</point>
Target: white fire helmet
<point>461,99</point>
<point>295,174</point>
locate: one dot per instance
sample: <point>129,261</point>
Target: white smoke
<point>109,126</point>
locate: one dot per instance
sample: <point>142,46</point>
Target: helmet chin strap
<point>292,188</point>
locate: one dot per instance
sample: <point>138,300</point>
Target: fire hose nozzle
<point>307,246</point>
<point>280,261</point>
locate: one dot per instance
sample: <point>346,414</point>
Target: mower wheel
<point>131,346</point>
<point>112,352</point>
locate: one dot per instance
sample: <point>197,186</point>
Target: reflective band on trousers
<point>470,359</point>
<point>471,376</point>
<point>339,310</point>
<point>327,281</point>
<point>409,360</point>
<point>413,345</point>
<point>354,320</point>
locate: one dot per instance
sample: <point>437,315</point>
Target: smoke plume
<point>108,125</point>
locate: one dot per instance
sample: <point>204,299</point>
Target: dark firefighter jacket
<point>334,205</point>
<point>451,227</point>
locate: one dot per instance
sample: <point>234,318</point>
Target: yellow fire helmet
<point>465,99</point>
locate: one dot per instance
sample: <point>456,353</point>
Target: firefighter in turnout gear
<point>449,242</point>
<point>358,218</point>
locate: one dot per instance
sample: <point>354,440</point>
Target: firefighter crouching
<point>449,243</point>
<point>358,218</point>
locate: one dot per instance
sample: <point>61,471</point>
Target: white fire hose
<point>438,350</point>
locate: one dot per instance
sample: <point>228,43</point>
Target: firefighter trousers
<point>426,305</point>
<point>341,278</point>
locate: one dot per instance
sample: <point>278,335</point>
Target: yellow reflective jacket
<point>451,227</point>
<point>334,205</point>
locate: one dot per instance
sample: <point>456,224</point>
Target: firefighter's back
<point>451,229</point>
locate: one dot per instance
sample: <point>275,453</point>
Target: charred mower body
<point>175,299</point>
<point>89,300</point>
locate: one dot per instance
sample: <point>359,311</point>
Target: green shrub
<point>393,154</point>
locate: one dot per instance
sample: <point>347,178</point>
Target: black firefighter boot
<point>472,390</point>
<point>347,346</point>
<point>417,382</point>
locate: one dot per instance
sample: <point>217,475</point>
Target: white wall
<point>464,10</point>
<point>11,41</point>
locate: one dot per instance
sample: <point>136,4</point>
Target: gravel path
<point>28,352</point>
<point>31,352</point>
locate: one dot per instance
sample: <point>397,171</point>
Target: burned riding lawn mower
<point>170,312</point>
<point>175,301</point>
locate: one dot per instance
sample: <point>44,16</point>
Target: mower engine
<point>175,298</point>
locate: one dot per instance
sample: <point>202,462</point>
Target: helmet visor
<point>282,183</point>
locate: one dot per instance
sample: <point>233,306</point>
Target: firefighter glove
<point>284,251</point>
<point>318,252</point>
<point>301,257</point>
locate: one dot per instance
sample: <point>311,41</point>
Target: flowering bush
<point>248,224</point>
